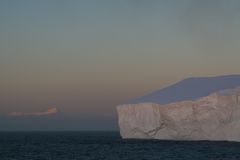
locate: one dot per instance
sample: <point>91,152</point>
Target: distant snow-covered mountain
<point>190,89</point>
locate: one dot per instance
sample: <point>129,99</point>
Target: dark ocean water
<point>107,146</point>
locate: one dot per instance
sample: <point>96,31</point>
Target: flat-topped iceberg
<point>215,116</point>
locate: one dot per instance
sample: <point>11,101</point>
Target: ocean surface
<point>107,146</point>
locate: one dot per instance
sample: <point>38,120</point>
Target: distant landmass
<point>205,108</point>
<point>190,89</point>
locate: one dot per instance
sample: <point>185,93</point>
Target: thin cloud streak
<point>48,112</point>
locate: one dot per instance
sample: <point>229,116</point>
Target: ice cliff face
<point>212,117</point>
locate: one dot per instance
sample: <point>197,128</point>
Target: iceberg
<point>193,109</point>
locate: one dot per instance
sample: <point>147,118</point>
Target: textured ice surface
<point>215,117</point>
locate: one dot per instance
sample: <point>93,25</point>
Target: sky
<point>65,65</point>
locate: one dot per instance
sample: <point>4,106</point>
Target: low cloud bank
<point>50,111</point>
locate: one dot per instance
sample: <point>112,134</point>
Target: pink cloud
<point>48,112</point>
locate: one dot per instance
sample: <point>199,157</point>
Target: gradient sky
<point>85,57</point>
